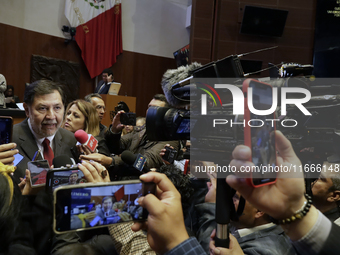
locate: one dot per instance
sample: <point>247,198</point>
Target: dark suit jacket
<point>106,88</point>
<point>269,241</point>
<point>332,245</point>
<point>27,145</point>
<point>137,142</point>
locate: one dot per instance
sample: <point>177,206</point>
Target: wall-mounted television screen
<point>263,21</point>
<point>327,38</point>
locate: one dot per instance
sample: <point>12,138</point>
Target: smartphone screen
<point>17,159</point>
<point>63,177</point>
<point>38,171</point>
<point>92,205</point>
<point>6,127</point>
<point>261,142</point>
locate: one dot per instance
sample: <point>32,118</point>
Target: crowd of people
<point>276,219</point>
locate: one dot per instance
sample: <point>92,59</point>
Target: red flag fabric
<point>99,31</point>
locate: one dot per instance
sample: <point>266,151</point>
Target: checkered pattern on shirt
<point>128,242</point>
<point>188,247</point>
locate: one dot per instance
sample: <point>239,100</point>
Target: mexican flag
<point>99,31</point>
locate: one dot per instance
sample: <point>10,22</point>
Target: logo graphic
<point>238,99</point>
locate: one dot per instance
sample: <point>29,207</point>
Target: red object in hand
<point>85,139</point>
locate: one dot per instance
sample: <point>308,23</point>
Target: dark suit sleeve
<point>116,143</point>
<point>152,153</point>
<point>102,146</point>
<point>332,244</point>
<point>206,223</point>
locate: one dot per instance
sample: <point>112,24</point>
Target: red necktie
<point>48,153</point>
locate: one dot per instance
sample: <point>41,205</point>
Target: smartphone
<point>257,133</point>
<point>63,176</point>
<point>6,129</point>
<point>170,154</point>
<point>95,205</point>
<point>128,118</point>
<point>17,159</point>
<point>38,171</point>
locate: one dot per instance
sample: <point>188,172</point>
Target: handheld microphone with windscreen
<point>136,160</point>
<point>86,139</point>
<point>62,161</point>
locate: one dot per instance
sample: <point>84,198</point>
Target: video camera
<point>316,136</point>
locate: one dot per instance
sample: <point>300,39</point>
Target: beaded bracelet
<point>298,214</point>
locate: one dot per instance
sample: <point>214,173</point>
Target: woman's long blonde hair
<point>91,125</point>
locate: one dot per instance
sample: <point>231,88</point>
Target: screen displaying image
<point>98,206</point>
<point>38,171</point>
<point>69,177</point>
<point>263,145</point>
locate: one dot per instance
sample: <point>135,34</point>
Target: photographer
<point>137,142</point>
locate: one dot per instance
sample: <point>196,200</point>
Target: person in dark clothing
<point>104,85</point>
<point>136,142</point>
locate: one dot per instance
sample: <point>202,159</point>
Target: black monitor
<point>263,21</point>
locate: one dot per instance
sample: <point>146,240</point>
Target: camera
<point>122,106</point>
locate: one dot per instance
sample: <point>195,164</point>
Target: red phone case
<point>247,128</point>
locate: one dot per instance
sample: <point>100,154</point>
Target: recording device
<point>63,176</point>
<point>38,169</point>
<point>95,205</point>
<point>6,129</point>
<point>65,172</point>
<point>170,154</point>
<point>86,139</point>
<point>136,160</point>
<point>166,124</point>
<point>122,106</point>
<point>294,69</point>
<point>128,118</point>
<point>257,135</point>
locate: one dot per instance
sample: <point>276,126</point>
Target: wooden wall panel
<point>17,47</point>
<point>140,74</point>
<point>201,36</point>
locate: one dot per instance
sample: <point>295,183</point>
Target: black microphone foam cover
<point>62,160</point>
<point>128,157</point>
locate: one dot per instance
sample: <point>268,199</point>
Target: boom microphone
<point>86,139</point>
<point>135,160</point>
<point>175,79</point>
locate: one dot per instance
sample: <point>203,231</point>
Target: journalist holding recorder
<point>310,232</point>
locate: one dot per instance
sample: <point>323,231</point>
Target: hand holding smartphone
<point>257,132</point>
<point>128,118</point>
<point>170,154</point>
<point>93,205</point>
<point>6,129</point>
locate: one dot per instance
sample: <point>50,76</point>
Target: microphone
<point>62,161</point>
<point>86,139</point>
<point>175,80</point>
<point>136,160</point>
